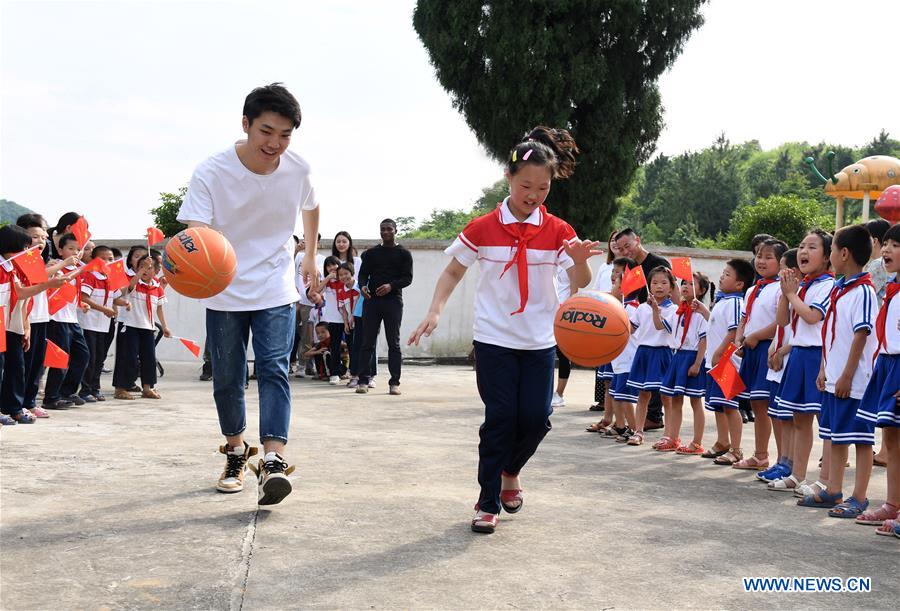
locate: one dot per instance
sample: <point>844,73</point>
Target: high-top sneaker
<point>272,472</point>
<point>232,478</point>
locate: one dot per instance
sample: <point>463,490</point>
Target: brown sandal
<point>730,457</point>
<point>715,451</point>
<point>598,427</point>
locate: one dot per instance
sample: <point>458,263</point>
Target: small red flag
<point>80,230</point>
<point>58,299</point>
<point>116,278</point>
<point>193,347</point>
<point>726,375</point>
<point>56,357</point>
<point>681,267</point>
<point>31,265</point>
<point>633,280</point>
<point>96,265</point>
<point>154,236</point>
<point>2,329</point>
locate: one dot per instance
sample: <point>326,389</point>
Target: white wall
<point>453,336</point>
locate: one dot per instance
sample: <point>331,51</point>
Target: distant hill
<point>10,211</point>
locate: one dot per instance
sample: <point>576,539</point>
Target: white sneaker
<point>557,401</point>
<point>353,383</point>
<point>272,472</point>
<point>371,382</point>
<point>333,380</point>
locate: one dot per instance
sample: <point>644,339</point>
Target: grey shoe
<point>362,389</point>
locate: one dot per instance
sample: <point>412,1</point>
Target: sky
<point>103,105</point>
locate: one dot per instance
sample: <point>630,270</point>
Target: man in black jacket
<point>385,271</point>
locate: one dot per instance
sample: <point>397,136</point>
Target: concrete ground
<point>112,506</point>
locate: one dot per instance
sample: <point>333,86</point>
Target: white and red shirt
<point>348,297</point>
<point>12,307</point>
<point>622,363</point>
<point>503,247</point>
<point>725,316</point>
<point>330,311</point>
<point>69,312</point>
<point>764,308</point>
<point>853,311</point>
<point>645,331</point>
<point>94,287</point>
<point>697,327</point>
<point>144,300</point>
<point>817,297</point>
<point>891,343</point>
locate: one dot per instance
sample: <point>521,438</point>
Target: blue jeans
<point>516,387</point>
<point>273,337</point>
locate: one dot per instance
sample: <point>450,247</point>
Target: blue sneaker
<point>779,471</point>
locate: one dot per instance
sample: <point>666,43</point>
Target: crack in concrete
<point>242,571</point>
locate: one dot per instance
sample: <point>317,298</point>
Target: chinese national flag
<point>56,357</point>
<point>2,329</point>
<point>681,267</point>
<point>80,230</point>
<point>633,280</point>
<point>726,375</point>
<point>58,299</point>
<point>154,236</point>
<point>96,265</point>
<point>32,266</point>
<point>193,347</point>
<point>116,278</point>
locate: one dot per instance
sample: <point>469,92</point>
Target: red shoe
<point>511,500</point>
<point>484,522</point>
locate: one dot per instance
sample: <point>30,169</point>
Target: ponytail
<point>706,286</point>
<point>545,146</point>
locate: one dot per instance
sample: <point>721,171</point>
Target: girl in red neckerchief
<point>879,402</point>
<point>686,375</point>
<point>518,246</point>
<point>800,312</point>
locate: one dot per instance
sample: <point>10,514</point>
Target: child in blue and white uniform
<point>801,310</point>
<point>849,345</point>
<point>653,324</point>
<point>724,320</point>
<point>754,335</point>
<point>686,375</point>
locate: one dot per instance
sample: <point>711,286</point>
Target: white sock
<point>239,450</point>
<point>271,456</point>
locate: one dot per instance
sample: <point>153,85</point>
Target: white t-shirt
<point>696,332</point>
<point>93,286</point>
<point>40,311</point>
<point>765,308</point>
<point>724,317</point>
<point>817,297</point>
<point>258,214</point>
<point>563,286</point>
<point>298,277</point>
<point>69,312</point>
<point>645,331</point>
<point>486,241</point>
<point>604,278</point>
<point>855,311</point>
<point>331,313</point>
<point>622,363</point>
<point>144,300</point>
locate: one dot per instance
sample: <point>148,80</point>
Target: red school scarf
<point>684,309</point>
<point>760,285</point>
<point>804,288</point>
<point>10,277</point>
<point>148,290</point>
<point>523,233</point>
<point>840,289</point>
<point>891,289</point>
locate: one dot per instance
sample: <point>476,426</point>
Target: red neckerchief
<point>523,233</point>
<point>760,284</point>
<point>804,287</point>
<point>10,277</point>
<point>891,289</point>
<point>684,309</point>
<point>148,290</point>
<point>840,289</point>
<point>632,302</point>
<point>780,338</point>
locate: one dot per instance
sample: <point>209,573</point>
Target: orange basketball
<point>592,328</point>
<point>199,262</point>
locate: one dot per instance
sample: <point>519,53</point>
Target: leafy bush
<point>787,217</point>
<point>164,215</point>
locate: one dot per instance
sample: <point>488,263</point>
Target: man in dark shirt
<point>385,271</point>
<point>630,245</point>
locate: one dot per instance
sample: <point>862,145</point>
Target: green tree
<point>442,225</point>
<point>787,217</point>
<point>165,215</point>
<point>589,66</point>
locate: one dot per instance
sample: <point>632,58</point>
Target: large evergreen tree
<point>590,66</point>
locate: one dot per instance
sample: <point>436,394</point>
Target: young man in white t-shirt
<point>253,193</point>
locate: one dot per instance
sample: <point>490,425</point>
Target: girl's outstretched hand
<point>581,250</point>
<point>424,329</point>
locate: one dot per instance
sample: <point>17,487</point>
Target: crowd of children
<point>812,340</point>
<point>61,329</point>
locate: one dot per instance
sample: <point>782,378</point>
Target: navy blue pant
<point>335,365</point>
<point>356,340</point>
<point>387,309</point>
<point>34,363</point>
<point>12,371</point>
<point>139,357</point>
<point>516,387</point>
<point>98,344</point>
<point>64,382</point>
